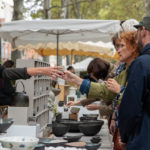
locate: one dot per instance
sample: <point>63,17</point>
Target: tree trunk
<point>47,15</point>
<point>63,16</point>
<point>64,9</point>
<point>17,15</point>
<point>147,6</point>
<point>18,10</point>
<point>78,9</point>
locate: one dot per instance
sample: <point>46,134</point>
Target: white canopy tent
<point>63,30</point>
<point>79,48</point>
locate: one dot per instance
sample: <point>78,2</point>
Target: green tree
<point>147,6</point>
<point>94,9</point>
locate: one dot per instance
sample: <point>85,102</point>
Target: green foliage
<point>38,14</point>
<point>122,9</point>
<point>93,9</point>
<point>56,10</point>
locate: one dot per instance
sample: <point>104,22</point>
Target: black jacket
<point>6,88</point>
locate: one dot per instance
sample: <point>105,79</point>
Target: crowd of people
<point>127,90</point>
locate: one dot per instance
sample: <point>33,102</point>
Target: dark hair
<point>99,67</point>
<point>8,63</point>
<point>114,38</point>
<point>70,67</point>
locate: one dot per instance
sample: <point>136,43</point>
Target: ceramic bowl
<point>72,138</point>
<point>92,146</point>
<point>5,124</point>
<point>39,147</point>
<point>4,148</point>
<point>19,142</point>
<point>45,141</point>
<point>59,129</point>
<point>75,110</point>
<point>96,139</point>
<point>90,129</point>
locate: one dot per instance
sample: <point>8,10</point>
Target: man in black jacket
<point>23,73</point>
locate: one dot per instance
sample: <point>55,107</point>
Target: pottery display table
<point>106,142</point>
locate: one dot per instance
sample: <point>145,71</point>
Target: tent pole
<point>57,47</point>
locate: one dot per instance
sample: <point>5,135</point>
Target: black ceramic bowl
<point>60,129</point>
<point>73,138</point>
<point>90,129</point>
<point>61,103</point>
<point>88,118</point>
<point>5,124</point>
<point>73,124</point>
<point>90,115</point>
<point>96,139</point>
<point>92,146</point>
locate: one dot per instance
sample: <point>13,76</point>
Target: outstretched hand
<point>70,104</point>
<point>92,107</point>
<point>54,72</point>
<point>72,78</point>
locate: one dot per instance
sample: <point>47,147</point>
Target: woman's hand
<point>73,103</point>
<point>112,127</point>
<point>92,107</point>
<point>70,104</point>
<point>72,78</point>
<point>113,85</point>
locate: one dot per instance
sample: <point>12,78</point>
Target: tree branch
<point>70,4</point>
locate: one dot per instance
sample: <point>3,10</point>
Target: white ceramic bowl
<point>4,148</point>
<point>19,142</point>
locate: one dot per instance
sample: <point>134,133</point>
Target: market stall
<point>55,31</point>
<point>41,32</point>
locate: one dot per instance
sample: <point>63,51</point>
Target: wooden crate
<point>73,116</point>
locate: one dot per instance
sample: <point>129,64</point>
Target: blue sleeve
<point>130,109</point>
<point>85,86</point>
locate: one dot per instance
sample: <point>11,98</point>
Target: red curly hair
<point>130,39</point>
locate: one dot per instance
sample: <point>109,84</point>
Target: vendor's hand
<point>54,72</point>
<point>113,85</point>
<point>112,127</point>
<point>72,78</point>
<point>92,107</point>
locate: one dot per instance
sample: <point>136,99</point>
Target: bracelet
<point>122,89</point>
<point>112,118</point>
